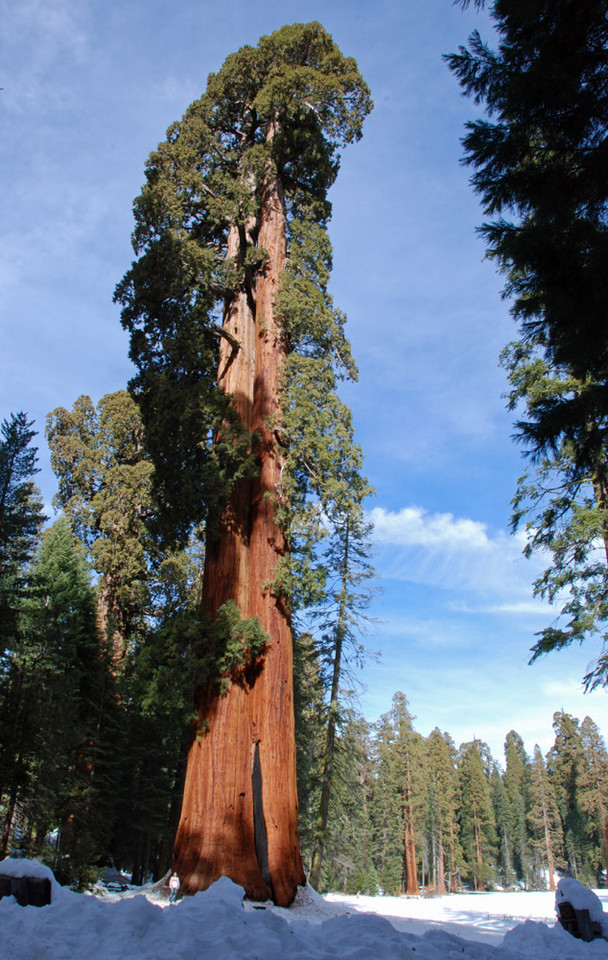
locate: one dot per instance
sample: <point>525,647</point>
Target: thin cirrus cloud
<point>455,554</point>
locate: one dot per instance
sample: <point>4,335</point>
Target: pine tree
<point>502,816</point>
<point>563,762</point>
<point>61,719</point>
<point>540,172</point>
<point>544,820</point>
<point>146,615</point>
<point>348,849</point>
<point>592,788</point>
<point>237,188</point>
<point>348,570</point>
<point>564,504</point>
<point>400,796</point>
<point>21,520</point>
<point>516,780</point>
<point>309,708</point>
<point>441,827</point>
<point>477,821</point>
<point>539,160</point>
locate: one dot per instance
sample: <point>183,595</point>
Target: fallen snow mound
<point>581,898</point>
<point>214,926</point>
<point>32,868</point>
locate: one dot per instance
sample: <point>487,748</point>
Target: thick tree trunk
<point>239,812</point>
<point>215,832</point>
<point>271,699</point>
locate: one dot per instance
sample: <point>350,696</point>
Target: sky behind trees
<point>89,90</point>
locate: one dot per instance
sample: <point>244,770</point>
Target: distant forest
<point>417,814</point>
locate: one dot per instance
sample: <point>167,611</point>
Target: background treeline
<point>99,623</point>
<point>416,813</point>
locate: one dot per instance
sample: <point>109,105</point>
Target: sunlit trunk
<point>411,871</point>
<point>271,699</point>
<point>239,812</point>
<point>215,836</point>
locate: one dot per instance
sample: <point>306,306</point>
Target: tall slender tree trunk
<point>602,815</point>
<point>440,866</point>
<point>453,869</point>
<point>411,869</point>
<point>330,743</point>
<point>8,822</point>
<point>239,812</point>
<point>478,855</point>
<point>548,849</point>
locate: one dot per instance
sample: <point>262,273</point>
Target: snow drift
<point>217,925</point>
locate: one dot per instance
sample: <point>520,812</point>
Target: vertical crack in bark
<point>259,822</point>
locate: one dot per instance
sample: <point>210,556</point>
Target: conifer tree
<point>309,708</point>
<point>104,478</point>
<point>564,505</point>
<point>21,520</point>
<point>477,820</point>
<point>348,849</point>
<point>61,717</point>
<point>146,612</point>
<point>502,816</point>
<point>348,570</point>
<point>399,794</point>
<point>593,787</point>
<point>516,780</point>
<point>540,172</point>
<point>230,319</point>
<point>441,827</point>
<point>538,161</point>
<point>563,761</point>
<point>544,820</point>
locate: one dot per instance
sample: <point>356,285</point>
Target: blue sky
<point>89,89</point>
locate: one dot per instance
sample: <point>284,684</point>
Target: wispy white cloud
<point>455,553</point>
<point>516,608</point>
<point>415,527</point>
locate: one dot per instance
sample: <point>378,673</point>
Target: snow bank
<point>215,926</point>
<point>581,898</point>
<point>31,868</point>
<point>538,941</point>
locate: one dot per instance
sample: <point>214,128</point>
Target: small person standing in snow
<point>173,887</point>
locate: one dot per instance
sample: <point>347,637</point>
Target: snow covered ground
<point>217,925</point>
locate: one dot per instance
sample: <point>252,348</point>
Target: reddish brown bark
<point>453,871</point>
<point>239,812</point>
<point>478,856</point>
<point>411,870</point>
<point>440,887</point>
<point>548,850</point>
<point>271,705</point>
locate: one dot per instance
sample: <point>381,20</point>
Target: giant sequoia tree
<point>231,323</point>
